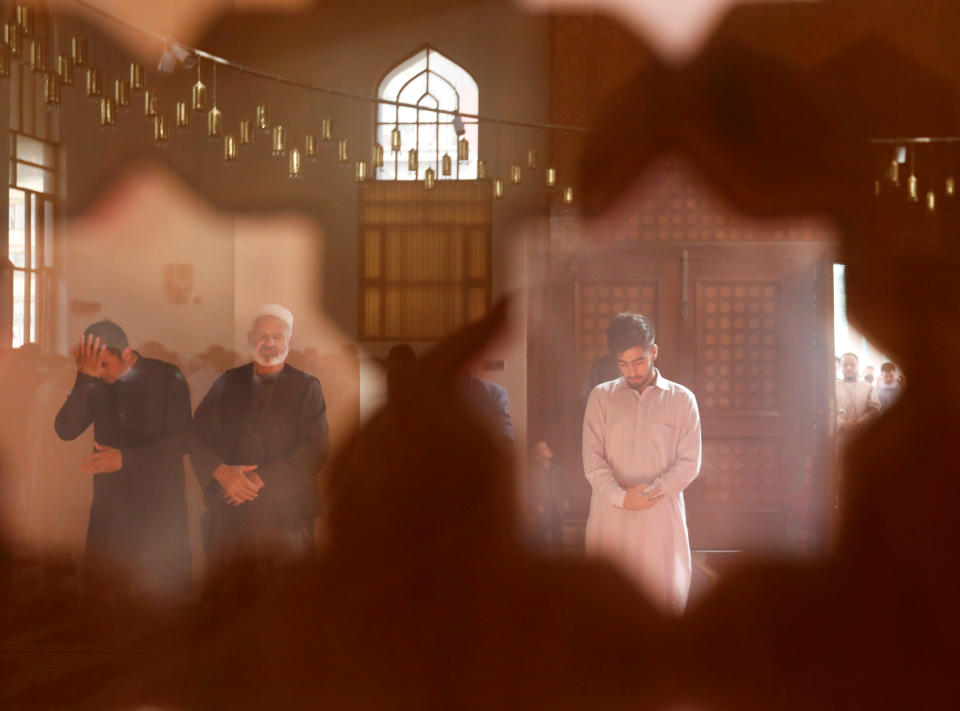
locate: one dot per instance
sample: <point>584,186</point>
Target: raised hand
<point>88,354</point>
<point>104,459</point>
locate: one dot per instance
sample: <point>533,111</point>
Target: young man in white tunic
<point>641,449</point>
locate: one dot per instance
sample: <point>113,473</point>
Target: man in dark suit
<point>260,437</point>
<point>140,411</point>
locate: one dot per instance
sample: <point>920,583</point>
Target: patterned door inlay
<point>738,474</point>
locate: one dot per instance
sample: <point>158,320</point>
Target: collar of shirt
<point>657,382</point>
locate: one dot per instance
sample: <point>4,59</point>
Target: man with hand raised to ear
<point>137,545</point>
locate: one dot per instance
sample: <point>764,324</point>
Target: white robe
<point>632,439</point>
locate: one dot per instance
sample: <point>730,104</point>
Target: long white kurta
<point>632,439</point>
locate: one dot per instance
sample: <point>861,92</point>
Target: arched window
<point>432,83</point>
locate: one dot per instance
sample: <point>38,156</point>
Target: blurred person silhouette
<point>889,388</point>
<point>544,500</point>
<point>140,411</point>
<point>857,401</point>
<point>260,437</point>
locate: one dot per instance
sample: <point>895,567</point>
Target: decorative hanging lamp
<point>395,139</point>
<point>160,130</point>
<point>11,37</point>
<point>463,150</point>
<point>550,177</point>
<point>230,153</point>
<point>51,90</point>
<point>516,174</point>
<point>568,195</point>
<point>481,169</point>
<point>121,93</point>
<point>446,166</point>
<point>94,91</point>
<point>181,116</point>
<point>294,163</point>
<point>310,146</point>
<point>108,112</point>
<point>279,142</point>
<point>151,103</point>
<point>343,151</point>
<point>136,76</point>
<point>246,132</point>
<point>429,179</point>
<point>412,162</point>
<point>78,48</point>
<point>214,123</point>
<point>65,70</point>
<point>263,117</point>
<point>949,186</point>
<point>361,171</point>
<point>533,158</point>
<point>497,188</point>
<point>326,130</point>
<point>931,201</point>
<point>6,60</point>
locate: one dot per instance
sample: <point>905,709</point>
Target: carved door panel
<point>734,325</point>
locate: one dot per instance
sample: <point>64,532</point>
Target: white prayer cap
<point>280,312</point>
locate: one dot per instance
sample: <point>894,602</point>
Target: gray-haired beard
<point>275,360</point>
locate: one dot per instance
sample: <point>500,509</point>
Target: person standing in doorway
<point>641,449</point>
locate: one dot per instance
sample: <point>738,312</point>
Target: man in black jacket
<point>259,439</point>
<point>140,411</point>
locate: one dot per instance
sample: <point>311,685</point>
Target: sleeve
<point>595,465</point>
<point>503,409</point>
<point>171,440</point>
<point>205,433</point>
<point>80,408</point>
<point>290,474</point>
<point>686,466</point>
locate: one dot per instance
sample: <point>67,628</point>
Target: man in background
<point>857,401</point>
<point>140,411</point>
<point>889,389</point>
<point>260,438</point>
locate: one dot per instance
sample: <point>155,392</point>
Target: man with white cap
<point>259,438</point>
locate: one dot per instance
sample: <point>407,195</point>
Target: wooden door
<point>739,326</point>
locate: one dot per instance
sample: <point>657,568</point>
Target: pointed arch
<point>431,84</point>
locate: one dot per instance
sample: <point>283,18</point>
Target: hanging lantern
<point>481,169</point>
<point>198,96</point>
<point>326,130</point>
<point>11,36</point>
<point>949,187</point>
<point>463,150</point>
<point>412,164</point>
<point>310,146</point>
<point>229,148</point>
<point>25,19</point>
<point>93,83</point>
<point>912,192</point>
<point>181,115</point>
<point>377,156</point>
<point>294,162</point>
<point>108,112</point>
<point>568,195</point>
<point>214,123</point>
<point>498,188</point>
<point>343,150</point>
<point>931,201</point>
<point>516,174</point>
<point>246,132</point>
<point>446,165</point>
<point>361,172</point>
<point>533,158</point>
<point>876,188</point>
<point>550,177</point>
<point>136,76</point>
<point>395,140</point>
<point>51,90</point>
<point>65,70</point>
<point>279,140</point>
<point>38,56</point>
<point>121,93</point>
<point>78,47</point>
<point>151,103</point>
<point>893,172</point>
<point>263,117</point>
<point>6,60</point>
<point>429,179</point>
<point>160,132</point>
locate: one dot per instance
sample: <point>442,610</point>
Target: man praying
<point>259,439</point>
<point>641,449</point>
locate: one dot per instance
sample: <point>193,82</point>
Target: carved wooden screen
<point>424,258</point>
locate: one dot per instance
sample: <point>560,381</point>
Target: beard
<point>269,356</point>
